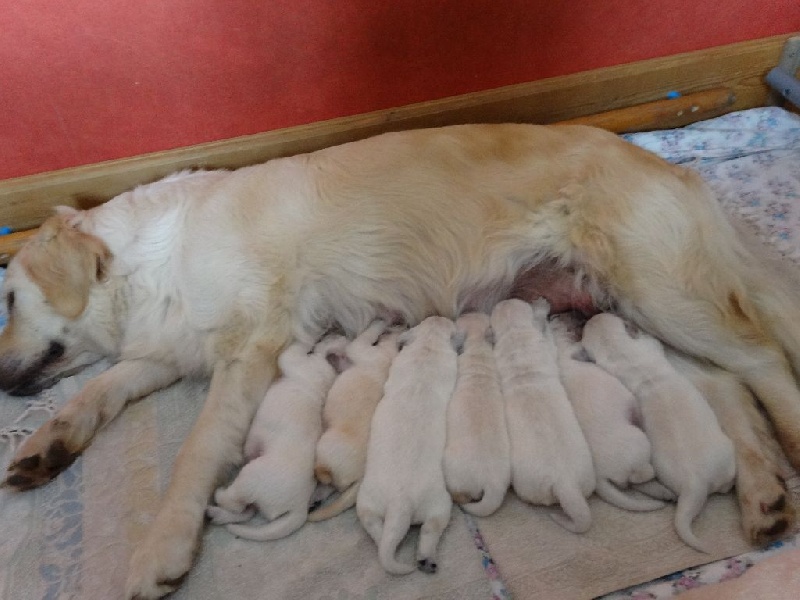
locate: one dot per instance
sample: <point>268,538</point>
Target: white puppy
<point>550,459</point>
<point>351,402</point>
<point>279,479</point>
<point>404,481</point>
<point>691,454</point>
<point>477,458</point>
<point>606,411</point>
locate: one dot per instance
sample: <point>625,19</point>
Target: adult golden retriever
<point>215,272</point>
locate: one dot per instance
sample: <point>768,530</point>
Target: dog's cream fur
<point>351,402</point>
<point>691,454</point>
<point>404,482</point>
<point>214,272</point>
<point>550,459</point>
<point>279,479</point>
<point>477,458</point>
<point>606,411</point>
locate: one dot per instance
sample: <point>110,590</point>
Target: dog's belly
<point>560,287</point>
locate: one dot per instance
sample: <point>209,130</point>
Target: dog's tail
<point>577,516</point>
<point>395,527</point>
<point>613,495</point>
<point>690,503</point>
<point>285,524</point>
<point>488,504</point>
<point>345,500</point>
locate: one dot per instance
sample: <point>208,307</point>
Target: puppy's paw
<point>41,457</point>
<point>427,566</point>
<point>161,561</point>
<point>767,511</point>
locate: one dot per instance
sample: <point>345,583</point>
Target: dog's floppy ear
<point>65,263</point>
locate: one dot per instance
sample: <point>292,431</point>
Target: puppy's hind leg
<point>230,507</point>
<point>767,511</point>
<point>284,525</point>
<point>395,527</point>
<point>429,536</point>
<point>577,516</point>
<point>690,503</point>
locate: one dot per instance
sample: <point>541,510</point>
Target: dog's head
<point>48,288</point>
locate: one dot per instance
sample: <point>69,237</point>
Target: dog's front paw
<point>41,457</point>
<point>161,561</point>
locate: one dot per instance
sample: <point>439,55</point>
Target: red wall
<point>84,81</point>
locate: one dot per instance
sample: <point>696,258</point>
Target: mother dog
<point>215,272</point>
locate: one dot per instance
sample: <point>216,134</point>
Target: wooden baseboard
<point>26,201</point>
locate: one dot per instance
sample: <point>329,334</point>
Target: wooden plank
<point>661,113</point>
<point>12,242</point>
<point>26,201</point>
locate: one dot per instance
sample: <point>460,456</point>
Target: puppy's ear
<point>405,338</point>
<point>65,263</point>
<point>457,339</point>
<point>582,354</point>
<point>339,361</point>
<point>631,329</point>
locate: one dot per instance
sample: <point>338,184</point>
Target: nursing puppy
<point>766,506</point>
<point>279,479</point>
<point>403,482</point>
<point>550,459</point>
<point>606,411</point>
<point>691,455</point>
<point>477,458</point>
<point>351,402</point>
<point>415,223</point>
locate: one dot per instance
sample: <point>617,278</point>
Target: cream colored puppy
<point>550,459</point>
<point>279,479</point>
<point>351,402</point>
<point>606,411</point>
<point>404,481</point>
<point>477,458</point>
<point>691,454</point>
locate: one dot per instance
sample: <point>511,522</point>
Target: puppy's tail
<point>690,503</point>
<point>395,527</point>
<point>345,500</point>
<point>577,517</point>
<point>488,504</point>
<point>287,523</point>
<point>613,495</point>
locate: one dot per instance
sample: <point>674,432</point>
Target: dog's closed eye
<point>10,301</point>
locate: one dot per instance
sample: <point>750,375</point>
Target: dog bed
<point>73,537</point>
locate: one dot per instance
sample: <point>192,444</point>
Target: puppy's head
<point>508,314</point>
<point>476,325</point>
<point>47,291</point>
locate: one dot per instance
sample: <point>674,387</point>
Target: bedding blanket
<point>72,538</point>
